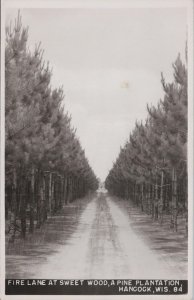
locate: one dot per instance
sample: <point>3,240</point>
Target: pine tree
<point>45,164</point>
<point>152,165</point>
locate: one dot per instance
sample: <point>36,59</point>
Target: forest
<point>96,170</point>
<point>45,164</point>
<point>151,168</point>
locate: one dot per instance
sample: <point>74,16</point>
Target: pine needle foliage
<point>151,169</point>
<point>46,166</point>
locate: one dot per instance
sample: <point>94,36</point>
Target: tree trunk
<point>44,200</point>
<point>156,200</point>
<point>14,205</point>
<point>50,194</point>
<point>69,189</point>
<point>23,208</point>
<point>66,190</point>
<point>150,199</point>
<point>32,196</point>
<point>153,197</point>
<point>161,202</point>
<point>142,196</point>
<point>38,201</point>
<point>174,199</point>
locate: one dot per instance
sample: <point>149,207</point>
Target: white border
<point>190,150</point>
<point>2,158</point>
<point>95,3</point>
<point>103,4</point>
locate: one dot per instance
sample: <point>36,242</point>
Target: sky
<point>109,62</point>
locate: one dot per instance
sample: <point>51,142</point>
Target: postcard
<point>97,149</point>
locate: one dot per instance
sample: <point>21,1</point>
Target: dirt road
<point>103,244</point>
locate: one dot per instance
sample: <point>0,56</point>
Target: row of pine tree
<point>151,168</point>
<point>46,166</point>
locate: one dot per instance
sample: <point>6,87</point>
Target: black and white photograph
<point>98,148</point>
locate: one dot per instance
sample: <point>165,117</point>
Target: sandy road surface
<point>103,245</point>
